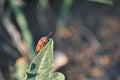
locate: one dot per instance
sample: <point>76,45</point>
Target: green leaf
<point>56,76</point>
<point>41,66</point>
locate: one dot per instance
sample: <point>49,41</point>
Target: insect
<point>42,42</point>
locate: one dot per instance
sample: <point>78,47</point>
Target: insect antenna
<point>49,35</point>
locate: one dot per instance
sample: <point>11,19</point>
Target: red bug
<point>42,42</point>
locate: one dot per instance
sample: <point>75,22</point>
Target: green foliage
<point>20,68</point>
<point>44,3</point>
<point>22,23</point>
<point>41,66</point>
<point>109,2</point>
<point>64,13</point>
<point>65,8</point>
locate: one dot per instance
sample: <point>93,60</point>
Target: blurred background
<point>85,32</point>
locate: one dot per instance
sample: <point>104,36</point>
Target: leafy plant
<point>42,65</point>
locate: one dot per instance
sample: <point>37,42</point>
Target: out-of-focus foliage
<point>20,68</point>
<point>64,13</point>
<point>41,66</point>
<point>44,3</point>
<point>86,31</point>
<point>22,23</point>
<point>109,2</point>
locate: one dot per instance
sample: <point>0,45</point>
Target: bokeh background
<point>86,35</point>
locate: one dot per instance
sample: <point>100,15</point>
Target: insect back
<point>42,42</point>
